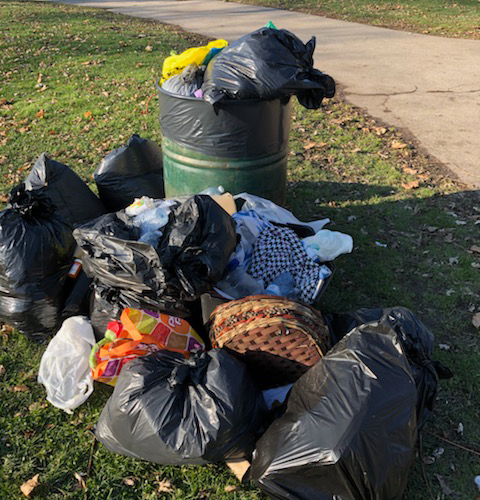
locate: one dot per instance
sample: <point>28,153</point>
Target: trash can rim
<point>196,99</point>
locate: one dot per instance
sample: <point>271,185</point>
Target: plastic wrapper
<point>72,198</point>
<point>186,83</point>
<point>130,172</point>
<point>171,411</point>
<point>36,252</point>
<point>267,64</point>
<point>349,430</point>
<point>64,368</point>
<point>416,340</point>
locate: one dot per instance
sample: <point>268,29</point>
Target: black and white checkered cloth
<point>278,250</point>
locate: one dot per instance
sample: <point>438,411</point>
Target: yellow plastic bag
<point>177,63</point>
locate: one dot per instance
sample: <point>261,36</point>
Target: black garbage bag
<point>349,429</point>
<point>416,340</point>
<point>125,270</point>
<point>267,64</point>
<point>130,172</point>
<point>102,311</point>
<point>197,243</point>
<point>36,253</point>
<point>171,411</point>
<point>78,291</point>
<point>72,198</point>
<point>192,255</point>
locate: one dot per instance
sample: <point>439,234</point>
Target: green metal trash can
<point>241,145</point>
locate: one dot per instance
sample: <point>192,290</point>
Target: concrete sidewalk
<point>425,84</point>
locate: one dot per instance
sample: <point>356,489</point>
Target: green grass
<point>343,165</point>
<point>457,19</point>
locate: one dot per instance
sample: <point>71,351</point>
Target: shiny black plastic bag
<point>36,253</point>
<point>416,340</point>
<point>129,272</point>
<point>192,255</point>
<point>267,64</point>
<point>197,243</point>
<point>171,411</point>
<point>73,199</point>
<point>130,172</point>
<point>350,428</point>
<point>102,310</point>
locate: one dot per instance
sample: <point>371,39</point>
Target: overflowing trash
<point>204,311</point>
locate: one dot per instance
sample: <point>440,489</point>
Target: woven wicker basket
<point>278,339</point>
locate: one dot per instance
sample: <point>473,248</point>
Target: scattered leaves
<point>398,144</point>
<point>165,486</point>
<point>37,405</point>
<point>476,320</point>
<point>410,185</point>
<point>230,488</point>
<point>30,485</point>
<point>81,482</point>
<point>20,388</point>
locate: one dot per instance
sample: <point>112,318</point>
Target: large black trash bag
<point>197,243</point>
<point>416,340</point>
<point>350,427</point>
<point>171,411</point>
<point>130,172</point>
<point>129,272</point>
<point>36,253</point>
<point>267,64</point>
<point>193,253</point>
<point>102,311</point>
<point>73,199</point>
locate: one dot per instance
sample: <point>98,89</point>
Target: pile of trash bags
<point>204,312</point>
<point>267,64</point>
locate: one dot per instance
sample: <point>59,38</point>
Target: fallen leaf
<point>310,145</point>
<point>380,130</point>
<point>449,292</point>
<point>148,48</point>
<point>398,145</point>
<point>444,347</point>
<point>431,229</point>
<point>443,484</point>
<point>4,198</point>
<point>428,460</point>
<point>410,171</point>
<point>476,320</point>
<point>475,249</point>
<point>460,428</point>
<point>20,388</point>
<point>81,481</point>
<point>476,265</point>
<point>37,405</point>
<point>448,238</point>
<point>29,485</point>
<point>2,371</point>
<point>230,487</point>
<point>410,185</point>
<point>165,486</point>
<point>128,481</point>
<point>41,114</point>
<point>88,114</point>
<point>39,78</point>
<point>453,261</point>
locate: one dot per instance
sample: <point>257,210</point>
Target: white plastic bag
<point>64,368</point>
<point>275,213</point>
<point>327,245</point>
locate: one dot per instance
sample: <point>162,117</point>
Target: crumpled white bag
<point>327,245</point>
<point>64,368</point>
